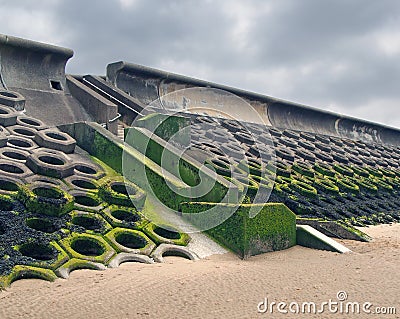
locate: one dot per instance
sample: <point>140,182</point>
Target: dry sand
<point>221,286</point>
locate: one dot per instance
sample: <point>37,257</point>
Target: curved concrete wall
<point>32,65</point>
<point>37,72</point>
<point>147,85</point>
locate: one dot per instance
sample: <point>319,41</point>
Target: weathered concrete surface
<point>333,229</point>
<point>37,72</point>
<point>32,65</point>
<point>148,85</point>
<point>101,109</point>
<point>310,237</point>
<point>128,107</point>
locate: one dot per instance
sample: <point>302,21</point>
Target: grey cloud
<point>322,53</point>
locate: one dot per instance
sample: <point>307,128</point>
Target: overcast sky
<point>339,55</point>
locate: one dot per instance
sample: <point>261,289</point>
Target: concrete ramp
<point>308,236</point>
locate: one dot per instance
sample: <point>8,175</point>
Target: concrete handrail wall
<point>147,84</point>
<point>32,65</point>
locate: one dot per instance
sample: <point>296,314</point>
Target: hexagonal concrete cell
<point>130,241</point>
<point>41,224</point>
<point>166,234</point>
<point>9,185</point>
<point>14,154</point>
<point>4,131</point>
<point>89,170</point>
<point>164,250</point>
<point>54,139</point>
<point>8,116</point>
<point>123,193</point>
<point>46,199</point>
<point>86,201</point>
<point>23,131</point>
<point>49,255</point>
<point>12,99</point>
<point>47,180</point>
<point>82,183</point>
<point>20,142</point>
<point>30,122</point>
<point>126,217</point>
<point>54,164</point>
<point>64,270</point>
<point>91,222</point>
<point>14,169</point>
<point>88,247</point>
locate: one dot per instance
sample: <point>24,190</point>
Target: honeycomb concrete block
<point>130,241</point>
<point>21,143</point>
<point>24,131</point>
<point>12,99</point>
<point>129,257</point>
<point>8,116</point>
<point>172,250</point>
<point>88,170</point>
<point>13,154</point>
<point>54,164</point>
<point>54,139</point>
<point>30,122</point>
<point>9,185</point>
<point>14,169</point>
<point>88,247</point>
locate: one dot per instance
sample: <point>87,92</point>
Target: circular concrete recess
<point>8,185</point>
<point>52,160</point>
<point>41,224</point>
<point>52,164</point>
<point>56,136</point>
<point>20,142</point>
<point>88,247</point>
<point>130,240</point>
<point>87,201</point>
<point>30,122</point>
<point>38,251</point>
<point>14,154</point>
<point>11,168</point>
<point>83,183</point>
<point>24,131</point>
<point>121,188</point>
<point>85,169</point>
<point>87,221</point>
<point>46,192</point>
<point>167,233</point>
<point>125,215</point>
<point>88,170</point>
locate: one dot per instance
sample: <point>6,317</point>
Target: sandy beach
<point>221,286</point>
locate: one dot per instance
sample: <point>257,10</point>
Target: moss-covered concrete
<point>273,228</point>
